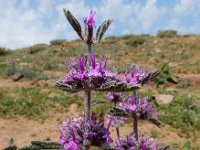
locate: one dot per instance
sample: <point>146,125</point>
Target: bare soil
<point>23,130</point>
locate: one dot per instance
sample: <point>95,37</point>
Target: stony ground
<point>40,64</point>
<point>24,130</point>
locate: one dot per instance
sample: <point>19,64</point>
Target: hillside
<point>33,101</point>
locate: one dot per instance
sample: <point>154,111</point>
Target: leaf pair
<point>77,27</point>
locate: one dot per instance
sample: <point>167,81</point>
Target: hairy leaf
<point>154,121</point>
<point>102,29</point>
<point>96,102</point>
<point>74,22</point>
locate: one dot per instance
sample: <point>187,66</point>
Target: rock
<point>53,95</point>
<point>174,64</point>
<point>157,50</point>
<point>23,64</point>
<point>195,104</point>
<point>184,83</point>
<point>165,147</point>
<point>152,60</point>
<point>155,42</point>
<point>163,98</point>
<point>17,76</point>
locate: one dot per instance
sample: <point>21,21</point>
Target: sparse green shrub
<point>166,76</point>
<point>28,73</point>
<point>31,74</point>
<point>76,40</point>
<point>127,36</point>
<point>57,42</point>
<point>4,51</point>
<point>111,37</point>
<point>2,69</point>
<point>47,65</point>
<point>135,40</point>
<point>10,69</point>
<point>166,33</point>
<point>37,48</point>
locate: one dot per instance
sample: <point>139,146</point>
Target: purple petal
<point>72,145</point>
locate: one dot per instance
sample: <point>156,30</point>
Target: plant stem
<point>89,48</point>
<point>88,94</point>
<point>87,104</point>
<point>135,120</point>
<point>135,126</point>
<point>117,128</point>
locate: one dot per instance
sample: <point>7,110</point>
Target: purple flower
<point>68,72</point>
<point>147,143</point>
<point>108,138</point>
<point>116,121</point>
<point>81,68</point>
<point>146,107</point>
<point>71,145</point>
<point>89,134</point>
<point>143,107</point>
<point>139,73</point>
<point>129,105</point>
<point>130,143</point>
<point>68,139</point>
<point>94,70</point>
<point>78,70</point>
<point>103,69</point>
<point>136,75</point>
<point>90,22</point>
<point>127,143</point>
<point>74,132</point>
<point>114,96</point>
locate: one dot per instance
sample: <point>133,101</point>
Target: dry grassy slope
<point>182,52</point>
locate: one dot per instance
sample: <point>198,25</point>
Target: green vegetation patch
<point>182,113</point>
<point>166,33</point>
<point>37,48</point>
<point>34,103</point>
<point>57,41</point>
<point>4,51</point>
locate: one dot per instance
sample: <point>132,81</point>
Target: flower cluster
<point>130,143</point>
<point>135,76</point>
<point>77,131</point>
<point>116,121</point>
<point>88,73</point>
<point>80,69</point>
<point>135,105</point>
<point>90,22</point>
<point>115,97</point>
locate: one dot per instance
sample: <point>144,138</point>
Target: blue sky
<point>26,22</point>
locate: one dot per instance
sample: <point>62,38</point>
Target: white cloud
<point>22,25</point>
<point>186,18</point>
<point>184,7</point>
